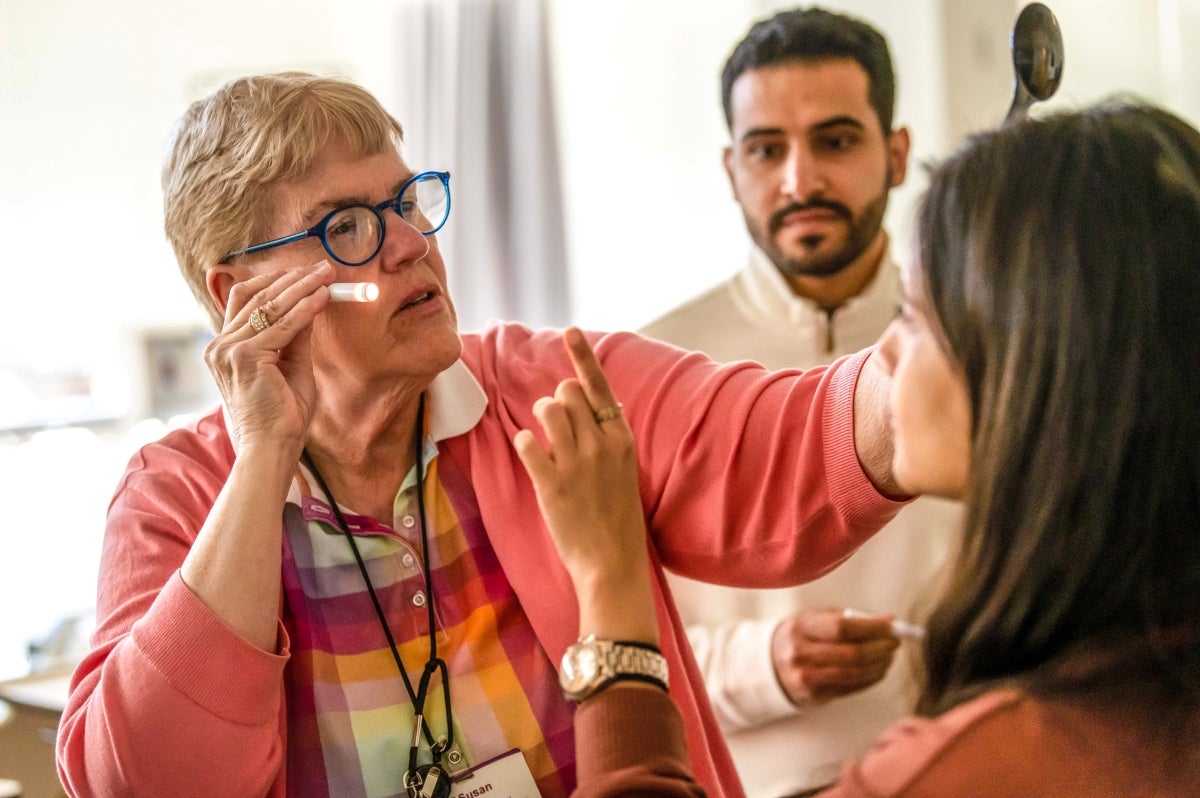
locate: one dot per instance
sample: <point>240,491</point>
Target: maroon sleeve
<point>629,741</point>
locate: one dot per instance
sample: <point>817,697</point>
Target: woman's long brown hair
<point>1061,259</point>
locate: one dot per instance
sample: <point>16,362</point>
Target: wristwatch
<point>592,664</point>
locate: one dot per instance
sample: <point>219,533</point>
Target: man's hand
<point>821,654</point>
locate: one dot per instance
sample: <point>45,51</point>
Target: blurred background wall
<point>100,339</point>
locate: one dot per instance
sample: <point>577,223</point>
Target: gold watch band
<point>592,664</point>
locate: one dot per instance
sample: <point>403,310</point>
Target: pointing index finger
<point>587,370</point>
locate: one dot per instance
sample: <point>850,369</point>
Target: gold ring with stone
<point>259,320</point>
<point>607,413</point>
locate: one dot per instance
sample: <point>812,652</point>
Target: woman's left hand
<point>587,487</point>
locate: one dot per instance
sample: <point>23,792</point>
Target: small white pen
<point>353,292</point>
<point>908,631</point>
<point>905,630</point>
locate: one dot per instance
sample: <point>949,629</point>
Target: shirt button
<point>419,599</point>
<point>408,560</point>
<point>408,521</point>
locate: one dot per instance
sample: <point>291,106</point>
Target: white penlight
<point>905,630</point>
<point>353,292</point>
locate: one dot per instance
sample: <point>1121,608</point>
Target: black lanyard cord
<point>434,664</point>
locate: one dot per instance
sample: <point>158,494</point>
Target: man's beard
<point>860,232</point>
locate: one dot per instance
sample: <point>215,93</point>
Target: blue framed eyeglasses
<point>354,234</point>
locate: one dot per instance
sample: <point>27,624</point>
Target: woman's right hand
<point>266,377</point>
<point>586,482</point>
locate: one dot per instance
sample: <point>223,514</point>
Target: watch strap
<point>615,660</point>
<point>638,644</point>
<point>633,677</point>
<point>637,661</point>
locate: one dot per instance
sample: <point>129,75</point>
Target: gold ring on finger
<point>259,320</point>
<point>607,413</point>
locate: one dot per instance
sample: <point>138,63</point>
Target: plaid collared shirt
<point>350,717</point>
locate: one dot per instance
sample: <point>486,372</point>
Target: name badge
<point>503,776</point>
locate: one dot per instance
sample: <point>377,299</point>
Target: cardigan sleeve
<point>168,690</point>
<point>749,477</point>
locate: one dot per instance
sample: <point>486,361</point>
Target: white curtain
<point>474,96</point>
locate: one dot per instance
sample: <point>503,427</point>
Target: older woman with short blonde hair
<point>338,581</point>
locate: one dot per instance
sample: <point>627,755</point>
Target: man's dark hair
<point>814,34</point>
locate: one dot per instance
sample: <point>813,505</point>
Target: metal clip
<point>429,788</point>
<point>454,761</point>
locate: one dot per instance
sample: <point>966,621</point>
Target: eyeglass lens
<point>423,203</point>
<point>355,234</point>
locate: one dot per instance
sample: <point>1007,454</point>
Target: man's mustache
<point>777,218</point>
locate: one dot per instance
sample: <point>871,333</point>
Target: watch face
<point>580,668</point>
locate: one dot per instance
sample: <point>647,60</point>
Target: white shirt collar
<point>456,402</point>
<point>770,295</point>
